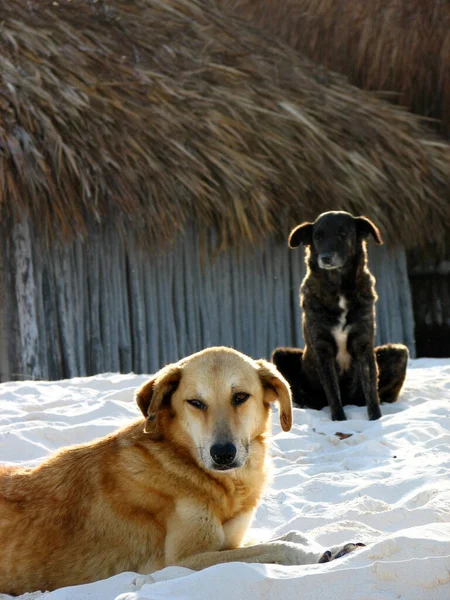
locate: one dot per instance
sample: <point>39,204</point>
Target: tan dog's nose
<point>223,454</point>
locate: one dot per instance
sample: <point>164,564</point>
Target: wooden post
<point>26,300</point>
<point>5,374</point>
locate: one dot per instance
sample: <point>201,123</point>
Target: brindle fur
<point>339,364</point>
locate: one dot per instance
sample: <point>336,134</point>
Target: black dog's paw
<point>338,415</point>
<point>339,551</point>
<point>374,413</point>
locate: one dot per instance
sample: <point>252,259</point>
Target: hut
<point>155,156</point>
<point>400,47</point>
<point>401,50</point>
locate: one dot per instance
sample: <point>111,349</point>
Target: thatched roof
<point>400,46</point>
<point>154,113</point>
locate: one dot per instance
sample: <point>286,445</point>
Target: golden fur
<point>148,495</point>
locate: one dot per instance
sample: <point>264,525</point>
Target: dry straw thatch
<point>155,113</point>
<point>401,46</point>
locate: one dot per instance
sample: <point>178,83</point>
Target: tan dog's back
<point>57,522</point>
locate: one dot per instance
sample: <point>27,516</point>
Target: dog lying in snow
<point>177,487</point>
<point>339,364</point>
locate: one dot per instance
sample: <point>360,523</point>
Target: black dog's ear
<point>302,234</point>
<point>365,227</point>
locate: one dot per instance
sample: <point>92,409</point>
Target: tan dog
<point>178,488</point>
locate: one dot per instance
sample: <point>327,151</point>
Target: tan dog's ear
<point>151,396</point>
<point>276,388</point>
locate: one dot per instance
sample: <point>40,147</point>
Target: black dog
<point>339,364</point>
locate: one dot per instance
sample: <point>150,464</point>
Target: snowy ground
<point>387,485</point>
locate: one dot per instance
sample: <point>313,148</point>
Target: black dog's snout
<point>327,259</point>
<point>223,454</point>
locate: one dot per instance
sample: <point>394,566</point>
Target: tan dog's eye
<point>197,404</point>
<point>240,398</point>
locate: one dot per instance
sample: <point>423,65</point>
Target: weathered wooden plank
<point>224,300</point>
<point>26,300</point>
<point>5,372</point>
<point>65,299</point>
<point>112,300</point>
<point>108,302</point>
<point>190,254</point>
<point>97,358</point>
<point>165,326</point>
<point>181,304</point>
<point>137,307</point>
<point>123,306</point>
<point>77,264</point>
<point>44,341</point>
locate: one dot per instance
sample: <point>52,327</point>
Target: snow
<point>387,485</point>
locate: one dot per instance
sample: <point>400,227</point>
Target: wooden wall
<point>106,305</point>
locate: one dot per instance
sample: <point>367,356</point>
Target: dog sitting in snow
<point>339,364</point>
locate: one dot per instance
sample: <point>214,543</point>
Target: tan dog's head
<point>215,404</point>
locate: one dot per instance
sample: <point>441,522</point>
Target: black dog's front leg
<point>368,376</point>
<point>324,354</point>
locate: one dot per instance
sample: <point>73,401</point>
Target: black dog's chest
<point>340,332</point>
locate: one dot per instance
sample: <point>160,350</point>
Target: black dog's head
<point>334,237</point>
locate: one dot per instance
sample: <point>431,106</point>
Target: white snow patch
<point>388,485</point>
